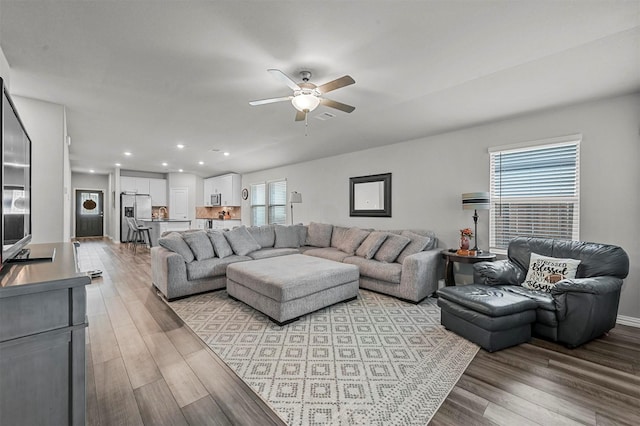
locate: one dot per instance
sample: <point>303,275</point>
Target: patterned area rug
<point>373,361</point>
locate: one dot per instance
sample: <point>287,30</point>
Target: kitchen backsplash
<point>159,212</point>
<point>214,212</point>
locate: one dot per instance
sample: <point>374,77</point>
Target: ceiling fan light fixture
<point>305,102</point>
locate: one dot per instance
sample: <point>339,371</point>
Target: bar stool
<point>138,232</point>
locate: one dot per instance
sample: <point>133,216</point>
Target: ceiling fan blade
<point>270,101</point>
<point>300,115</point>
<point>336,84</point>
<point>284,78</point>
<point>337,105</point>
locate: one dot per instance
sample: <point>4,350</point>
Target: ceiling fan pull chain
<point>306,124</point>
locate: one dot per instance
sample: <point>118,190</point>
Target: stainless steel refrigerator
<point>137,206</point>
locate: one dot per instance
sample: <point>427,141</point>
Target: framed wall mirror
<point>370,196</point>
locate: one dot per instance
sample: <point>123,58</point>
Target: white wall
<point>95,182</point>
<point>45,125</point>
<point>430,174</point>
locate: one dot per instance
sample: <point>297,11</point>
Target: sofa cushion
<point>371,244</point>
<point>338,235</point>
<point>319,234</point>
<point>241,241</point>
<point>391,248</point>
<point>200,244</point>
<point>213,267</point>
<point>330,253</point>
<point>302,234</point>
<point>544,272</point>
<point>286,237</point>
<point>220,244</point>
<point>272,252</point>
<point>352,240</point>
<point>418,243</point>
<point>174,242</point>
<point>264,235</point>
<point>390,272</point>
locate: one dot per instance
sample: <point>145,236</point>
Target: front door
<point>89,213</point>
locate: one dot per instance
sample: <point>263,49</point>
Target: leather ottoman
<point>492,318</point>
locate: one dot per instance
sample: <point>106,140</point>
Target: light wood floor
<point>144,366</point>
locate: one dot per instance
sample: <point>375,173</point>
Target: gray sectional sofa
<point>403,263</point>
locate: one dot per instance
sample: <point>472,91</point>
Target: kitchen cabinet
<point>134,184</point>
<point>227,185</point>
<point>158,192</point>
<point>179,203</point>
<point>225,224</point>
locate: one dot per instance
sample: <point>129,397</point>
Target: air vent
<point>325,116</point>
<point>214,150</point>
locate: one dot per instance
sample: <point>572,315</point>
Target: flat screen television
<point>15,180</point>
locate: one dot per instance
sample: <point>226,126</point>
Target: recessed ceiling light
<point>180,170</point>
<point>165,164</point>
<point>92,171</point>
<point>118,164</point>
<point>201,162</point>
<point>226,154</point>
<point>180,146</point>
<point>127,153</point>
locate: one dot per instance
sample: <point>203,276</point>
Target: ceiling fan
<point>307,96</point>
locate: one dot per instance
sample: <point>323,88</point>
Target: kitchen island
<point>158,226</point>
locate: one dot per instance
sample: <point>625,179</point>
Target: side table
<point>454,257</point>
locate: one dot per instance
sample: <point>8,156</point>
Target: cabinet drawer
<point>38,312</point>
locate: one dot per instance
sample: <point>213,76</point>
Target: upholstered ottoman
<point>286,287</point>
<point>492,318</point>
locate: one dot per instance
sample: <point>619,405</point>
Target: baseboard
<point>630,321</point>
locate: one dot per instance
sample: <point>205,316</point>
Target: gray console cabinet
<point>42,340</point>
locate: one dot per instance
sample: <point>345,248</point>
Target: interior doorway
<point>89,213</point>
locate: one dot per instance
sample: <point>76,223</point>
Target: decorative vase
<point>464,242</point>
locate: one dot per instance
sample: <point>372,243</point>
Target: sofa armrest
<point>593,285</point>
<point>498,272</point>
<point>420,274</point>
<point>586,308</point>
<point>167,267</point>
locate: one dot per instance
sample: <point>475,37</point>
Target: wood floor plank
<point>205,411</point>
<point>239,405</point>
<point>505,417</point>
<point>117,404</point>
<point>518,405</point>
<point>92,410</point>
<point>117,312</point>
<point>103,342</point>
<point>157,405</point>
<point>142,318</point>
<point>138,361</point>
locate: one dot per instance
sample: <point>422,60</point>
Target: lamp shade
<point>295,197</point>
<point>476,201</point>
<point>305,102</point>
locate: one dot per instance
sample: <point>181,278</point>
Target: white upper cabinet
<point>158,192</point>
<point>229,186</point>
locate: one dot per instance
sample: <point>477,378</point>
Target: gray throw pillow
<point>371,244</point>
<point>352,240</point>
<point>418,243</point>
<point>220,244</point>
<point>174,242</point>
<point>241,241</point>
<point>200,244</point>
<point>338,235</point>
<point>287,237</point>
<point>391,248</point>
<point>264,235</point>
<point>319,234</point>
<point>302,234</point>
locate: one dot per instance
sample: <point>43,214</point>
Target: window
<point>269,202</point>
<point>535,191</point>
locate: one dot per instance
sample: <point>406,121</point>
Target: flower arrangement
<point>466,232</point>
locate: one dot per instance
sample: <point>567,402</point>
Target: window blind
<point>269,202</point>
<point>535,192</point>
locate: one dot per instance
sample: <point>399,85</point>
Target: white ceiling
<point>143,76</point>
